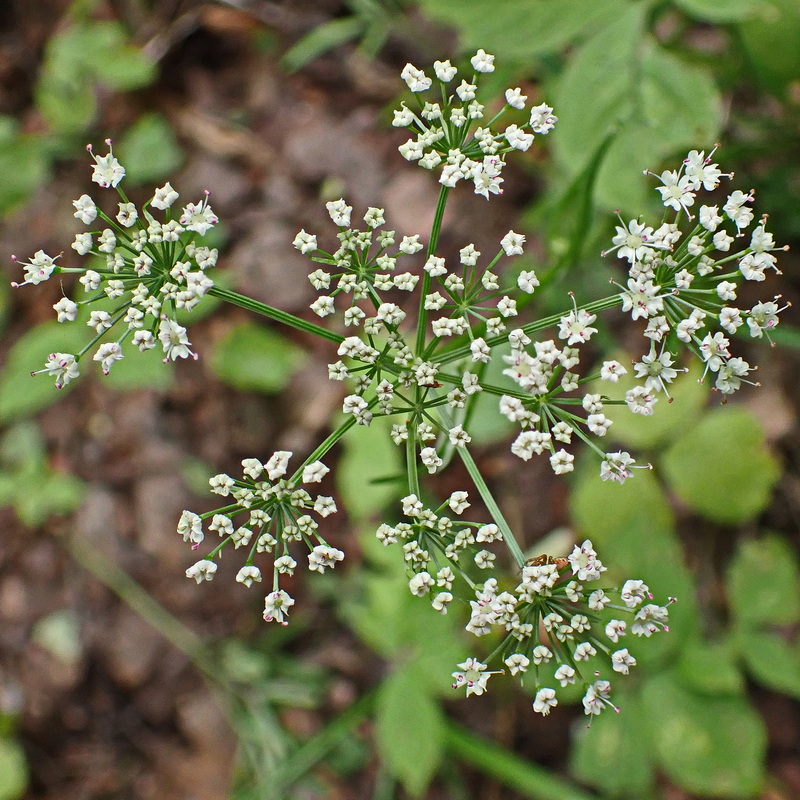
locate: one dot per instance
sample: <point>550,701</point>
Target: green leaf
<point>13,770</point>
<point>595,92</point>
<point>254,358</point>
<point>772,41</point>
<point>623,84</point>
<point>23,164</point>
<point>710,668</point>
<point>632,527</point>
<point>39,496</point>
<point>22,395</point>
<point>369,456</point>
<point>615,753</point>
<point>709,746</point>
<point>722,468</point>
<point>521,29</point>
<point>321,40</point>
<point>772,661</point>
<point>688,397</point>
<point>410,730</point>
<point>720,10</point>
<point>149,150</point>
<point>763,583</point>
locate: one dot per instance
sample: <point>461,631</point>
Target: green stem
<point>598,305</point>
<point>491,505</point>
<point>326,445</point>
<point>273,313</point>
<point>426,278</point>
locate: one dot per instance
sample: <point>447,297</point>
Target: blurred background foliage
<point>635,84</point>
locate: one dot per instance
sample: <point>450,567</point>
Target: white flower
<point>107,354</point>
<point>174,340</point>
<point>108,172</point>
<point>544,701</point>
<point>315,472</point>
<point>305,242</point>
<point>276,605</point>
<point>542,119</point>
<point>622,661</point>
<point>85,209</point>
<point>512,243</point>
<point>415,79</point>
<point>339,212</point>
<point>444,70</point>
<point>164,197</point>
<point>517,663</point>
<point>202,571</point>
<point>473,676</point>
<point>278,464</point>
<point>482,61</point>
<point>515,98</point>
<point>248,575</point>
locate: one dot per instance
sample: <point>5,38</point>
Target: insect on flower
<point>543,559</point>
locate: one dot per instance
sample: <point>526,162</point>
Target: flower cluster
<point>684,284</point>
<point>558,629</point>
<point>144,271</point>
<point>451,137</point>
<point>273,510</point>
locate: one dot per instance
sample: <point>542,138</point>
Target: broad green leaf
<point>709,746</point>
<point>763,583</point>
<point>66,102</point>
<point>521,29</point>
<point>632,528</point>
<point>254,358</point>
<point>615,753</point>
<point>680,109</point>
<point>399,626</point>
<point>410,730</point>
<point>38,496</point>
<point>688,397</point>
<point>13,770</point>
<point>59,633</point>
<point>149,150</point>
<point>23,164</point>
<point>722,468</point>
<point>710,668</point>
<point>365,473</point>
<point>596,91</point>
<point>771,39</point>
<point>721,10</point>
<point>22,395</point>
<point>772,661</point>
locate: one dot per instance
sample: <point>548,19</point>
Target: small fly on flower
<point>543,559</point>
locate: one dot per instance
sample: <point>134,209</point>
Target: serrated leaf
<point>13,770</point>
<point>149,150</point>
<point>709,746</point>
<point>722,468</point>
<point>763,583</point>
<point>710,668</point>
<point>369,457</point>
<point>521,29</point>
<point>772,661</point>
<point>615,754</point>
<point>22,395</point>
<point>409,730</point>
<point>254,358</point>
<point>720,10</point>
